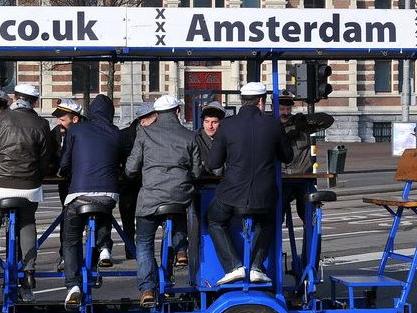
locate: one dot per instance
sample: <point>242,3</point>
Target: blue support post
<point>247,246</point>
<point>50,229</point>
<point>11,272</point>
<point>278,216</point>
<point>166,246</point>
<point>87,303</point>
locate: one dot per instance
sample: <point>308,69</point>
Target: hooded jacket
<point>24,148</point>
<point>91,150</point>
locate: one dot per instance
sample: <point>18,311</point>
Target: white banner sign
<point>271,28</point>
<point>342,29</point>
<point>62,27</point>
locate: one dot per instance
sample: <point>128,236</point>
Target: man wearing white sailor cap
<point>24,155</point>
<point>67,113</point>
<point>249,143</point>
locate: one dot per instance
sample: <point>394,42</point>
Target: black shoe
<point>29,281</point>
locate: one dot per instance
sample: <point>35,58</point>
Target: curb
<point>367,189</point>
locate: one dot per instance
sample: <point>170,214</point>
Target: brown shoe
<point>181,259</point>
<point>147,299</point>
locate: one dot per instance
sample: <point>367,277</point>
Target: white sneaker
<point>73,299</point>
<point>237,274</point>
<point>258,277</point>
<point>105,258</point>
<point>26,294</point>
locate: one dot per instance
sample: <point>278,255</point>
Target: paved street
<point>354,234</point>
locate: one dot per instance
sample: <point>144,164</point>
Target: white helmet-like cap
<point>165,103</point>
<point>65,106</point>
<point>27,90</point>
<point>253,89</point>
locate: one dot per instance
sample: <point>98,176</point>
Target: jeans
<point>296,191</point>
<point>219,217</point>
<point>63,192</point>
<point>73,231</point>
<point>26,228</point>
<point>146,226</point>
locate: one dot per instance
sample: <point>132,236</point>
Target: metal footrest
<point>366,281</point>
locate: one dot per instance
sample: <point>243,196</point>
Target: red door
<point>200,80</point>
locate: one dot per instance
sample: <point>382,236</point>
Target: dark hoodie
<point>91,152</point>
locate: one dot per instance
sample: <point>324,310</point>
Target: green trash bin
<point>336,159</point>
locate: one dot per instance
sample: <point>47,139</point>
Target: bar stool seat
<point>169,209</point>
<point>321,196</point>
<point>94,208</point>
<point>14,203</point>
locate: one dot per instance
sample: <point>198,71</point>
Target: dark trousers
<point>127,207</point>
<point>146,227</point>
<point>103,237</point>
<point>73,234</point>
<point>26,232</point>
<point>297,191</point>
<point>219,217</point>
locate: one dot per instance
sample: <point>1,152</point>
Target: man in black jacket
<point>211,116</point>
<point>129,188</point>
<point>249,143</point>
<point>24,156</point>
<point>299,127</point>
<point>91,156</point>
<point>68,112</point>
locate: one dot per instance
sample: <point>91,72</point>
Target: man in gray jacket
<point>167,156</point>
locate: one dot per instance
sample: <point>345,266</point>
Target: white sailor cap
<point>253,89</point>
<point>66,106</point>
<point>165,103</point>
<point>27,90</point>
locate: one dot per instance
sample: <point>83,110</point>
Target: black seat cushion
<point>321,196</point>
<point>251,211</point>
<point>172,208</point>
<point>94,205</point>
<point>14,203</point>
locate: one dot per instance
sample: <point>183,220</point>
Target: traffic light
<point>323,87</point>
<point>311,82</point>
<point>305,87</point>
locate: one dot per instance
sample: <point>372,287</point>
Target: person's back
<point>95,146</point>
<point>167,162</point>
<point>254,142</point>
<point>167,156</point>
<point>23,149</point>
<point>249,144</point>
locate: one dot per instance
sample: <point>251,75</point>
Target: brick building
<point>365,100</point>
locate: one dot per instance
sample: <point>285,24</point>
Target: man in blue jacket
<point>91,155</point>
<point>249,143</point>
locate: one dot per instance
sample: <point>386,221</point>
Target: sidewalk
<point>365,163</point>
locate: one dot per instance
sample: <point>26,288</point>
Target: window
<point>401,4</point>
<point>85,74</point>
<point>382,4</point>
<point>400,74</point>
<point>152,3</point>
<point>382,76</point>
<point>7,76</point>
<point>382,131</point>
<point>7,2</point>
<point>314,4</point>
<point>251,4</point>
<point>201,4</point>
<point>153,76</point>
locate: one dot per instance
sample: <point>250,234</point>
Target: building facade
<point>366,95</point>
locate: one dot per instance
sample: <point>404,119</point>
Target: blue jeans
<point>219,217</point>
<point>146,227</point>
<point>73,236</point>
